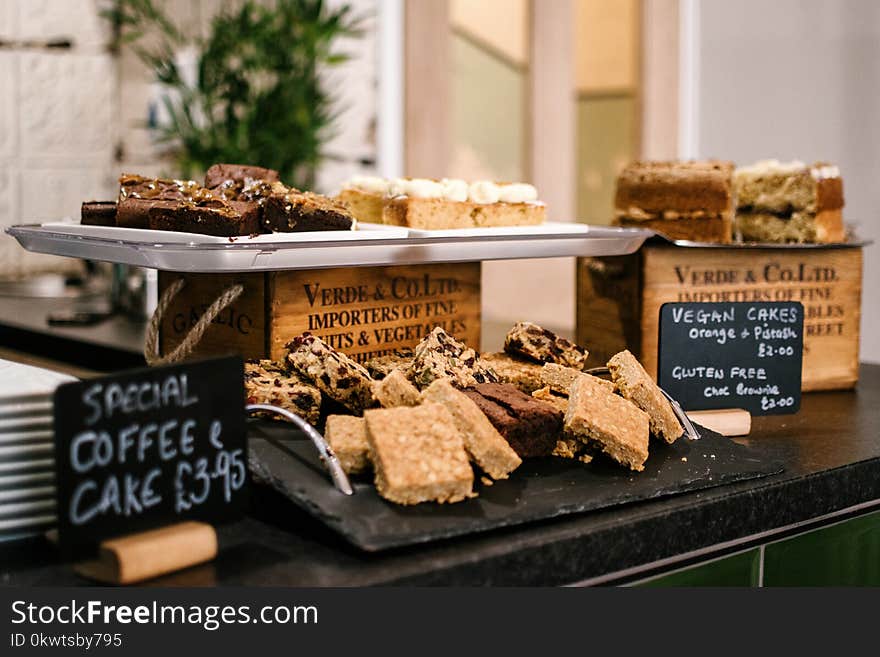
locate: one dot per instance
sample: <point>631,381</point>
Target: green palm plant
<point>258,96</point>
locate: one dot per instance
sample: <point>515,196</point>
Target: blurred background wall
<point>797,79</point>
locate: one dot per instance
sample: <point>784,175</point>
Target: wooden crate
<point>362,311</point>
<point>619,299</point>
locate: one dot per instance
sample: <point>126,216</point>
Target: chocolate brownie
<point>298,211</point>
<point>532,427</point>
<point>139,195</point>
<point>220,175</point>
<point>161,189</point>
<point>135,212</point>
<point>215,217</point>
<point>98,213</point>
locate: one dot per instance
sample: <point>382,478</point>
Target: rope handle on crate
<point>191,339</point>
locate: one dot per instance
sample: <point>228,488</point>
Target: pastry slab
<point>418,455</point>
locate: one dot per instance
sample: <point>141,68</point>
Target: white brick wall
<point>64,112</point>
<point>57,120</point>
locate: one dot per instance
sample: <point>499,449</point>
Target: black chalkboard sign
<point>149,447</point>
<point>732,355</point>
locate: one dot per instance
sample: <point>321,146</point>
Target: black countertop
<point>114,344</point>
<point>831,449</point>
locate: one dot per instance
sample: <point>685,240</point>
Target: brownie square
<point>98,213</point>
<point>218,218</point>
<point>223,174</point>
<point>304,211</point>
<point>531,426</point>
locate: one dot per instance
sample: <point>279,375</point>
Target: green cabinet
<point>845,554</point>
<point>736,570</point>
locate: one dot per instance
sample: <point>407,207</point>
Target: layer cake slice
<point>681,200</point>
<point>789,202</point>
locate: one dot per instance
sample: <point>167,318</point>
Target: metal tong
<point>325,452</point>
<point>683,419</point>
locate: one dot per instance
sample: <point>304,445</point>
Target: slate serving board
<point>539,489</point>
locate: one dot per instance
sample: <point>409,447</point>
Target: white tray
<point>370,248</point>
<point>365,231</point>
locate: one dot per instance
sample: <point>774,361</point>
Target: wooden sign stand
<point>145,555</point>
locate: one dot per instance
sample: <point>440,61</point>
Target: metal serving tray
<point>370,250</point>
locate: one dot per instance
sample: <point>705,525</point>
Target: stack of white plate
<point>27,462</point>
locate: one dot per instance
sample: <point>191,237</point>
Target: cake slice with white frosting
<point>442,204</point>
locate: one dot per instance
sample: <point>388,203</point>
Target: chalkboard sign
<point>149,447</point>
<point>732,355</point>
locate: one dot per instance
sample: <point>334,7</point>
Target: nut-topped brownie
<point>529,425</point>
<point>237,182</point>
<point>334,373</point>
<point>230,175</point>
<point>138,195</point>
<point>635,384</point>
<point>296,211</point>
<point>270,382</point>
<point>529,340</point>
<point>440,356</point>
<point>418,455</point>
<point>488,448</point>
<point>618,425</point>
<point>789,202</point>
<point>681,200</point>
